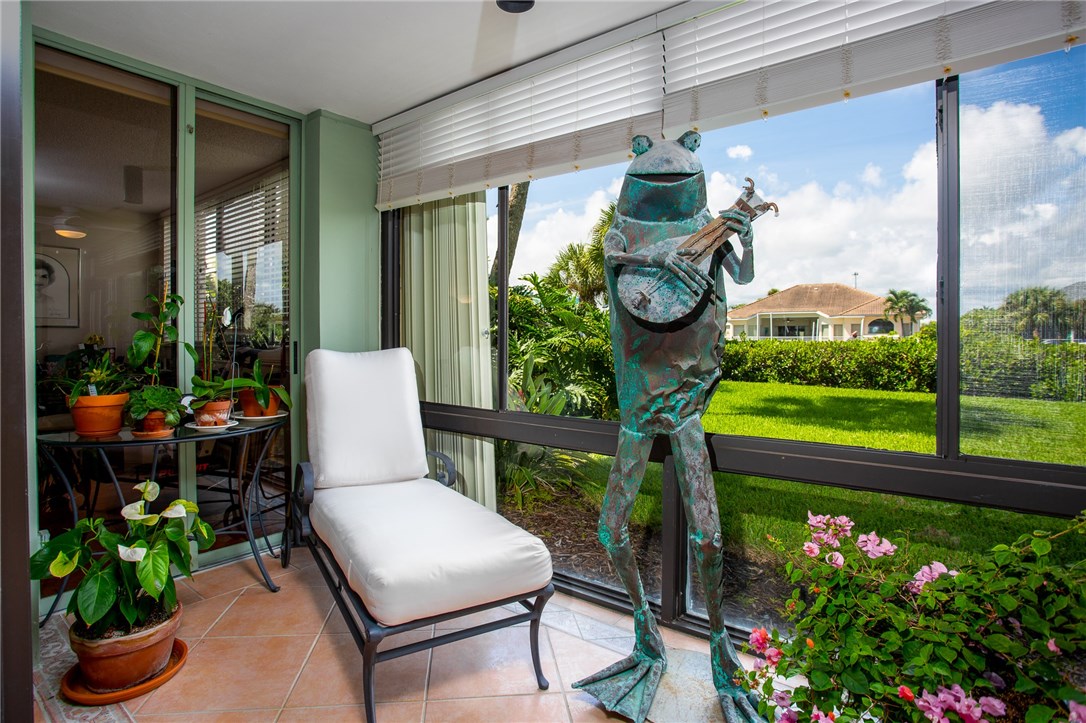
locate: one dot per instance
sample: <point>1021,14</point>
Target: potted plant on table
<point>262,399</point>
<point>155,408</point>
<point>125,606</point>
<point>96,392</point>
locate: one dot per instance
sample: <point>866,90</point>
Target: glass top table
<point>242,431</point>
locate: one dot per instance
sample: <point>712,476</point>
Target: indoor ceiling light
<point>65,228</point>
<point>516,6</point>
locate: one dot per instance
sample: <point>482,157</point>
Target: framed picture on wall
<point>56,286</point>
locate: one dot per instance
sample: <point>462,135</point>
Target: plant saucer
<point>212,429</point>
<point>264,419</point>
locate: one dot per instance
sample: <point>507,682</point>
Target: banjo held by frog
<point>655,295</point>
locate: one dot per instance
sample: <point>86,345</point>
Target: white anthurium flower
<point>134,511</point>
<point>176,509</point>
<point>149,489</point>
<point>132,554</point>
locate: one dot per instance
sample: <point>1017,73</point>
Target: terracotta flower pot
<point>99,416</point>
<point>153,426</point>
<point>251,408</point>
<point>214,414</point>
<point>122,662</point>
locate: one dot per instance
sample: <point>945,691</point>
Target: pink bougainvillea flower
<point>773,656</point>
<point>759,639</point>
<point>1053,647</point>
<point>927,574</point>
<point>1078,712</point>
<point>836,559</point>
<point>905,693</point>
<point>993,706</point>
<point>810,549</point>
<point>817,522</point>
<point>875,546</point>
<point>844,525</point>
<point>782,699</point>
<point>789,715</point>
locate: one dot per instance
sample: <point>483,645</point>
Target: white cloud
<point>741,152</point>
<point>872,175</point>
<point>885,230</point>
<point>556,227</point>
<point>1072,141</point>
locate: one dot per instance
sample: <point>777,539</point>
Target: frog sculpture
<point>667,366</point>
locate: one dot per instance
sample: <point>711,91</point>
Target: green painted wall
<point>341,256</point>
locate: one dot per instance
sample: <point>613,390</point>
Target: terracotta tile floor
<point>287,656</point>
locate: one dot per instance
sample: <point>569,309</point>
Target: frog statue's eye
<point>691,140</point>
<point>641,144</point>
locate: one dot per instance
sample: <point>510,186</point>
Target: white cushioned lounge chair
<point>399,550</point>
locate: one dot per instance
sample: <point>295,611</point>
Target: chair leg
<point>369,662</point>
<point>537,615</point>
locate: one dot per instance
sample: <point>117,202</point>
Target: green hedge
<point>889,364</point>
<point>999,365</point>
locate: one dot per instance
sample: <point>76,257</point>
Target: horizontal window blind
<point>743,61</point>
<point>766,58</point>
<point>239,221</point>
<point>582,112</point>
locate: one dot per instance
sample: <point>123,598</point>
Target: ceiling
<point>367,59</point>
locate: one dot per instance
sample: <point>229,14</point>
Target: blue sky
<point>856,183</point>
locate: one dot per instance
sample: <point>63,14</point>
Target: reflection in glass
<point>1023,272</point>
<point>243,287</point>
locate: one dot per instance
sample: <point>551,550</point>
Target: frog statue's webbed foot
<point>628,687</point>
<point>738,704</point>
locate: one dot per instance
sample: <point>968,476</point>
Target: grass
<point>753,507</point>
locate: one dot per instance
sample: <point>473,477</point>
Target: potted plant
<point>125,606</point>
<point>155,409</point>
<point>262,399</point>
<point>213,396</point>
<point>96,392</point>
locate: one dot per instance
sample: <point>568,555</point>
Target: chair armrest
<point>303,482</point>
<point>448,477</point>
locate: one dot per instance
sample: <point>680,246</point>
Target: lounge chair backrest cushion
<point>363,416</point>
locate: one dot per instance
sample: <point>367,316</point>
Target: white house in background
<point>814,312</point>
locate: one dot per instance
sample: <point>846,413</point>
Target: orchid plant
<point>126,583</point>
<point>1002,639</point>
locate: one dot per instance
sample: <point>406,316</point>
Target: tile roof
<point>829,299</point>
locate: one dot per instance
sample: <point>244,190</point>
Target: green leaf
<point>63,565</point>
<point>855,680</point>
<point>153,569</point>
<point>819,680</point>
<point>1039,714</point>
<point>97,593</point>
<point>998,642</point>
<point>1007,603</point>
<point>1041,546</point>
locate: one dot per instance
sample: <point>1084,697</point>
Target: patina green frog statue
<point>667,365</point>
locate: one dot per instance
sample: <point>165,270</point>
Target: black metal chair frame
<point>368,634</point>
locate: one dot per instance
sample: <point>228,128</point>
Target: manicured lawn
<point>753,507</point>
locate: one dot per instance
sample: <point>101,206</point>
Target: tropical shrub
<point>875,639</point>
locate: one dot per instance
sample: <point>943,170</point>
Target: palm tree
<point>579,267</point>
<point>1037,311</point>
<point>905,304</point>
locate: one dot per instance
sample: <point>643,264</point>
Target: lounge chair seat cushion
<point>416,549</point>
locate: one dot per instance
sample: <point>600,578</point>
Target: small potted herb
<point>155,408</point>
<point>262,399</point>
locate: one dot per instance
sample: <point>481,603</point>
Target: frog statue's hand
<point>739,221</point>
<point>689,274</point>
